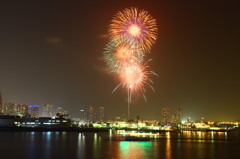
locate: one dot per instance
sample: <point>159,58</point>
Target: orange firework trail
<point>132,33</point>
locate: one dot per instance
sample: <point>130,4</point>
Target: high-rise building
<point>83,115</point>
<point>101,113</point>
<point>23,109</point>
<point>33,110</point>
<point>62,112</point>
<point>178,116</point>
<point>172,119</point>
<point>1,104</point>
<point>47,110</point>
<point>10,108</point>
<point>165,115</point>
<point>95,115</point>
<point>90,113</point>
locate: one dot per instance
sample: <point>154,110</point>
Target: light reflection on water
<point>47,136</point>
<point>168,145</point>
<point>80,148</point>
<point>134,149</point>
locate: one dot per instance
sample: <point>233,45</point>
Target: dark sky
<point>51,52</point>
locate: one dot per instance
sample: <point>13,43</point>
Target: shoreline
<point>77,129</point>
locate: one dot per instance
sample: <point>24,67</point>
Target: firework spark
<point>135,26</point>
<point>135,77</point>
<point>118,54</point>
<point>132,33</point>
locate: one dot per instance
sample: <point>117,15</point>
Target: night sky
<point>52,52</point>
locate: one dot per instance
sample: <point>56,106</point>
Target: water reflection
<point>168,146</point>
<point>225,135</point>
<point>74,145</point>
<point>95,146</point>
<point>110,133</point>
<point>81,145</point>
<point>212,137</point>
<point>47,140</point>
<point>203,136</point>
<point>130,149</point>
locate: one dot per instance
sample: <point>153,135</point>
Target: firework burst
<point>134,77</point>
<point>132,33</point>
<point>118,54</point>
<point>134,26</point>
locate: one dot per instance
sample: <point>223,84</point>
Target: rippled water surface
<point>73,145</point>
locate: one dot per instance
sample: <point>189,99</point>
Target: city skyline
<point>54,54</point>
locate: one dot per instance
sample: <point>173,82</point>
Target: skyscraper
<point>178,116</point>
<point>10,108</point>
<point>23,109</point>
<point>0,98</point>
<point>83,115</point>
<point>47,110</point>
<point>90,114</point>
<point>165,115</point>
<point>101,113</point>
<point>172,119</point>
<point>33,110</point>
<point>61,112</point>
<point>1,105</point>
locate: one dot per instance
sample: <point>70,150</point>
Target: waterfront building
<point>90,114</point>
<point>33,110</point>
<point>172,118</point>
<point>201,126</point>
<point>83,115</point>
<point>9,121</point>
<point>10,108</point>
<point>165,115</point>
<point>23,109</point>
<point>1,104</point>
<point>44,122</point>
<point>95,115</point>
<point>101,113</point>
<point>47,110</point>
<point>62,112</point>
<point>178,116</point>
